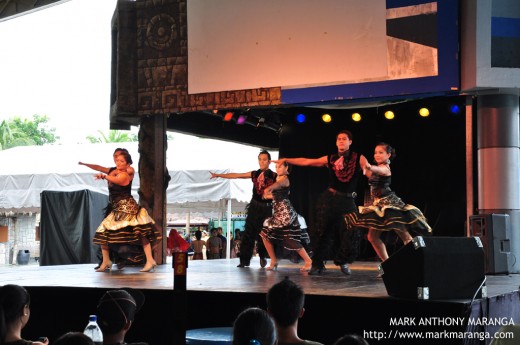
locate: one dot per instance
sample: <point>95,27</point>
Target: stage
<point>64,296</point>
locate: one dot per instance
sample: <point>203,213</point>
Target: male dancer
<point>335,202</point>
<point>257,210</point>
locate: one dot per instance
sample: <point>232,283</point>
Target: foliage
<point>18,132</point>
<point>112,137</point>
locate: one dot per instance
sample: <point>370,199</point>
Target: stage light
<point>455,109</point>
<point>300,118</point>
<point>389,115</point>
<point>326,118</point>
<point>228,116</point>
<point>241,119</point>
<point>424,112</point>
<point>356,117</point>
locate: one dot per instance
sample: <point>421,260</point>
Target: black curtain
<point>67,226</point>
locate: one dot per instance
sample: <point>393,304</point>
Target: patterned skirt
<point>127,223</point>
<point>283,227</point>
<point>390,213</point>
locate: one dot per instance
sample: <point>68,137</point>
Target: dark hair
<point>120,149</point>
<point>289,166</point>
<point>351,339</point>
<point>127,156</point>
<point>264,152</point>
<point>389,149</point>
<point>198,234</point>
<point>73,338</point>
<point>13,299</point>
<point>285,301</point>
<point>254,324</point>
<point>345,131</point>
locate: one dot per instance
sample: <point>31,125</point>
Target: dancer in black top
<point>127,223</point>
<point>385,211</point>
<point>334,203</point>
<point>258,209</point>
<point>283,227</point>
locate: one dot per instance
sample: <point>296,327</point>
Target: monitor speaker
<point>494,230</point>
<point>436,268</point>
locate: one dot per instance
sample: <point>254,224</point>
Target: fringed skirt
<point>390,213</point>
<point>283,227</point>
<point>127,223</point>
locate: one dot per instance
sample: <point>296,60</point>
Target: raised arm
<point>311,162</point>
<point>95,167</point>
<point>231,175</point>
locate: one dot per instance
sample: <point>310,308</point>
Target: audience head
<point>117,308</point>
<point>14,308</point>
<point>285,302</point>
<point>198,235</point>
<point>254,324</point>
<point>351,339</point>
<point>73,338</point>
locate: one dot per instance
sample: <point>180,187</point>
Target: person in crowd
<point>351,339</point>
<point>15,312</point>
<point>223,250</point>
<point>116,312</point>
<point>176,243</point>
<point>198,245</point>
<point>73,338</point>
<point>283,227</point>
<point>214,245</point>
<point>337,200</point>
<point>254,326</point>
<point>121,254</point>
<point>385,211</point>
<point>257,210</point>
<point>285,303</point>
<point>235,244</point>
<point>127,223</point>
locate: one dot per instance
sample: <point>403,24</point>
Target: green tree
<point>112,137</point>
<point>18,132</point>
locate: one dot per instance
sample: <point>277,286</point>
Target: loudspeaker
<point>436,268</point>
<point>494,230</point>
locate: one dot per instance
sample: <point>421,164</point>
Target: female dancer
<point>387,211</point>
<point>283,226</point>
<point>127,223</point>
<point>257,209</point>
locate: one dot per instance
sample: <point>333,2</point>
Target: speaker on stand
<point>494,230</point>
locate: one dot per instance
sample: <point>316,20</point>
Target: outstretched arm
<point>231,175</point>
<point>311,162</point>
<point>96,167</point>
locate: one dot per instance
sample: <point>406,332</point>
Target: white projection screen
<point>248,44</point>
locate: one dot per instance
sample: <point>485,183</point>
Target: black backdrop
<point>68,223</point>
<point>428,172</point>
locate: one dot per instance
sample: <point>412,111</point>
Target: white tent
<point>26,171</point>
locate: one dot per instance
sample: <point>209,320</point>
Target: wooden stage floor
<point>224,276</point>
<point>217,291</point>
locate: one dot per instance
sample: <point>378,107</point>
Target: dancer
<point>283,227</point>
<point>127,223</point>
<point>336,201</point>
<point>258,209</point>
<point>385,210</point>
<point>127,253</point>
